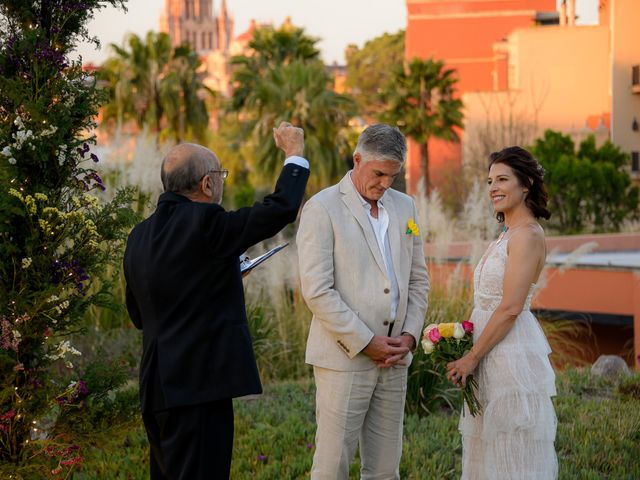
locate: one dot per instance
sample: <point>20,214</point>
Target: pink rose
<point>468,326</point>
<point>434,335</point>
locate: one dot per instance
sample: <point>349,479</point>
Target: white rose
<point>427,346</point>
<point>458,331</point>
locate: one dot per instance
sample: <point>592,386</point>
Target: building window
<point>635,162</point>
<point>203,44</point>
<point>210,40</point>
<point>635,75</point>
<point>187,37</point>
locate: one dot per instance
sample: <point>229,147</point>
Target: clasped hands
<point>389,351</point>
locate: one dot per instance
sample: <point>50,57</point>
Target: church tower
<point>225,27</point>
<point>194,22</point>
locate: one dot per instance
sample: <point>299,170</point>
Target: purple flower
<point>261,458</point>
<point>50,56</point>
<point>92,180</point>
<point>35,383</point>
<point>69,272</point>
<point>82,389</point>
<point>94,157</point>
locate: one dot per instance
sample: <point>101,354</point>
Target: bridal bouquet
<point>447,342</point>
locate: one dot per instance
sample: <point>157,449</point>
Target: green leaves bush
<point>589,188</point>
<point>57,238</point>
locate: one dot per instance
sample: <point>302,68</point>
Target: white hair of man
<point>382,142</point>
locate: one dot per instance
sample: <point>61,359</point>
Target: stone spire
<point>225,27</point>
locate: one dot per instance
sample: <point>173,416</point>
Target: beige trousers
<point>367,406</point>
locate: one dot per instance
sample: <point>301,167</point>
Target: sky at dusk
<point>337,23</point>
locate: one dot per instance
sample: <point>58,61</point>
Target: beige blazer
<point>344,280</point>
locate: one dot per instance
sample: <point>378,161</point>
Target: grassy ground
<point>598,436</point>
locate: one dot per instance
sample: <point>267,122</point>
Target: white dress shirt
<point>298,161</point>
<point>380,227</point>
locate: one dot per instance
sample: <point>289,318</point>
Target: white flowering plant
<point>57,239</point>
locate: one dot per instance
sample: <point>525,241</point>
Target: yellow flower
<point>30,203</point>
<point>16,193</point>
<point>45,226</point>
<point>90,200</point>
<point>412,228</point>
<point>446,329</point>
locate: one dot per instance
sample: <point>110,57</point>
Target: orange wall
<point>444,160</point>
<point>588,290</point>
<point>565,71</point>
<point>465,44</point>
<point>463,33</point>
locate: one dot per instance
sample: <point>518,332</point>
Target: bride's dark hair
<point>530,175</point>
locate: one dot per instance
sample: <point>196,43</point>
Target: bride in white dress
<point>514,437</point>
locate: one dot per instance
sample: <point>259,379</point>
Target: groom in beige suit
<point>364,278</point>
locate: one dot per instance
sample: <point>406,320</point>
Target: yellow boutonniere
<point>412,228</point>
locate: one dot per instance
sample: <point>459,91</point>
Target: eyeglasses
<point>223,173</point>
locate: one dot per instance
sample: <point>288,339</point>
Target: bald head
<point>185,165</point>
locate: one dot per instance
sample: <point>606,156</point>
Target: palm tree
<point>181,94</point>
<point>300,93</point>
<point>144,63</point>
<point>156,85</point>
<point>270,48</point>
<point>283,79</point>
<point>421,101</point>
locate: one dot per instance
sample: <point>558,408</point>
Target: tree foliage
<point>270,49</point>
<point>589,188</point>
<point>421,101</point>
<point>284,80</point>
<point>370,69</point>
<point>157,86</point>
<point>57,239</point>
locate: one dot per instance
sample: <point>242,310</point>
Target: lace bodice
<point>489,275</point>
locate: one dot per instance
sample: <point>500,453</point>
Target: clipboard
<point>248,264</point>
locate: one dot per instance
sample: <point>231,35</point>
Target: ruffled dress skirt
<point>514,437</point>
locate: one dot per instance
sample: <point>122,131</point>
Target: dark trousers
<point>191,443</point>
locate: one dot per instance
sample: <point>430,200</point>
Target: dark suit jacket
<point>184,290</point>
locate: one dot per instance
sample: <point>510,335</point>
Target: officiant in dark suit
<point>184,290</point>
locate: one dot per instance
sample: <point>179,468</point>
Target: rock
<point>610,367</point>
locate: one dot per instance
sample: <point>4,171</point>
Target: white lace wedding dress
<point>514,437</point>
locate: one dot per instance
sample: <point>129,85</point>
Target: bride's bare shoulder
<point>530,238</point>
